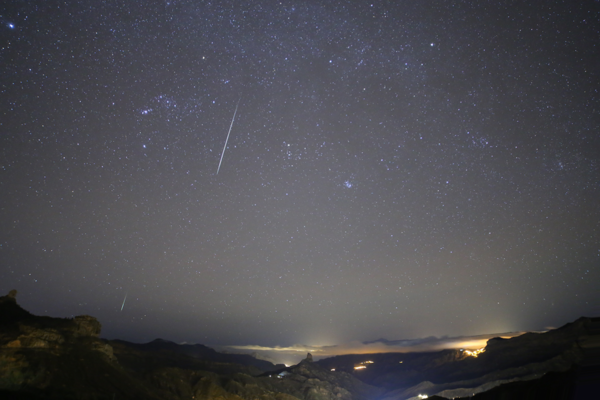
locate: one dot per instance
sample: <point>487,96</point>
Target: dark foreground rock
<point>54,358</point>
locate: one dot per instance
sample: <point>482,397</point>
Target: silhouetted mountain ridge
<point>202,352</point>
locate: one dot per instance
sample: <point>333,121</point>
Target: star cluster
<point>397,169</point>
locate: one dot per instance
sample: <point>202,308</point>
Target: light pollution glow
<point>293,354</point>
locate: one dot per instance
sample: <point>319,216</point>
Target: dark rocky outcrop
<point>43,357</point>
<point>308,380</point>
<point>20,330</point>
<point>54,358</point>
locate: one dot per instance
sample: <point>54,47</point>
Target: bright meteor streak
<point>123,305</point>
<point>228,133</point>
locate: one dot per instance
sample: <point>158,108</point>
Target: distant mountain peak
<point>159,340</point>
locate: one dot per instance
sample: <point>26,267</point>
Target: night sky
<point>396,169</point>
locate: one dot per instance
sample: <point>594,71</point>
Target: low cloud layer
<point>293,354</point>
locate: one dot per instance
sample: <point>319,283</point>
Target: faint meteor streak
<point>228,133</point>
<point>123,305</point>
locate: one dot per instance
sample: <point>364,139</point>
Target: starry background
<point>395,169</point>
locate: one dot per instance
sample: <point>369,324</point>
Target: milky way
<point>397,169</point>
